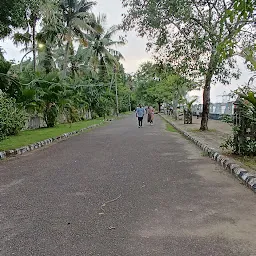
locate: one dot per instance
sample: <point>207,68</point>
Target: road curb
<point>43,143</point>
<point>240,173</point>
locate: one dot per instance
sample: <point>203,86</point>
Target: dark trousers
<point>140,119</point>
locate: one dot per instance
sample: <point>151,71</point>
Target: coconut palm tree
<point>28,38</point>
<point>77,21</point>
<point>103,55</point>
<point>48,14</point>
<point>51,34</point>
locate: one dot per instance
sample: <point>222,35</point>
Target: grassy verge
<point>198,130</point>
<point>127,113</point>
<point>29,137</point>
<point>248,161</point>
<point>170,128</point>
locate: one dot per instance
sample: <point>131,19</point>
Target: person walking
<point>197,113</point>
<point>140,111</point>
<point>150,115</point>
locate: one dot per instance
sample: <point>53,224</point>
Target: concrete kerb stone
<point>2,155</point>
<point>39,144</point>
<point>243,175</point>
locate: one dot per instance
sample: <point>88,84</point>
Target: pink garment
<point>150,114</point>
<point>150,110</point>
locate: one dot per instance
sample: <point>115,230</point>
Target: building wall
<point>35,121</point>
<point>217,108</point>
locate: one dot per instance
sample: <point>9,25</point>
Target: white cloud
<point>218,90</point>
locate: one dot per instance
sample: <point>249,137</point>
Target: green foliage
<point>8,82</point>
<point>12,119</point>
<point>51,115</point>
<point>243,11</point>
<point>77,19</point>
<point>243,140</point>
<point>189,103</point>
<point>45,93</point>
<point>11,15</point>
<point>156,85</point>
<point>103,58</point>
<point>63,82</point>
<point>73,115</point>
<point>170,128</point>
<point>199,38</point>
<point>185,32</point>
<point>227,118</point>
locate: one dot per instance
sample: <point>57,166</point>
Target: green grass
<point>204,153</point>
<point>248,161</point>
<point>127,113</point>
<point>25,138</point>
<point>198,130</point>
<point>170,128</point>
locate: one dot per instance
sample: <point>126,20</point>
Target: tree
<point>44,93</point>
<point>50,29</point>
<point>31,17</point>
<point>8,83</point>
<point>102,55</point>
<point>11,15</point>
<point>77,19</point>
<point>158,84</point>
<point>193,35</point>
<point>12,119</point>
<point>51,33</point>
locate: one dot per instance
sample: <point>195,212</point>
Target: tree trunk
<point>34,40</point>
<point>207,90</point>
<point>159,107</point>
<point>65,66</point>
<point>48,59</point>
<point>21,62</point>
<point>206,103</point>
<point>73,63</point>
<point>175,105</point>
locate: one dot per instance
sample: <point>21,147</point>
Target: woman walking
<point>150,115</point>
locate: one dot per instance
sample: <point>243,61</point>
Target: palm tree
<point>32,16</point>
<point>51,33</point>
<point>103,56</point>
<point>77,20</point>
<point>48,12</point>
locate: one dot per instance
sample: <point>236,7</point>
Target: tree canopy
<point>160,84</point>
<point>75,66</point>
<point>199,38</point>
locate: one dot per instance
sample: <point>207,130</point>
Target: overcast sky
<point>134,52</point>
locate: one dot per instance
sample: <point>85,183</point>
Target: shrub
<point>51,115</point>
<point>227,119</point>
<point>243,140</point>
<point>12,119</point>
<point>72,114</point>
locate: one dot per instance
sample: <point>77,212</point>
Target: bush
<point>51,115</point>
<point>243,140</point>
<point>227,119</point>
<point>12,119</point>
<point>73,115</point>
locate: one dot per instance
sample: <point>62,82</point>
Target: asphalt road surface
<point>123,191</point>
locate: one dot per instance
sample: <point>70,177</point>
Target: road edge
<point>240,173</point>
<point>20,151</point>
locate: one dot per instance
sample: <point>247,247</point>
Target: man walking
<point>140,114</point>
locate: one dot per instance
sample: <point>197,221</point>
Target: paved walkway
<point>214,138</point>
<point>217,134</point>
<point>123,191</point>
